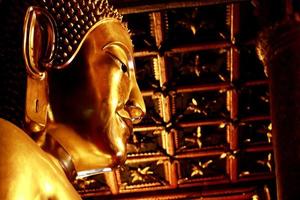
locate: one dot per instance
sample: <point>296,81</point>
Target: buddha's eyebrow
<point>119,50</point>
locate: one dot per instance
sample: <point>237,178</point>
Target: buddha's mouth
<point>126,122</point>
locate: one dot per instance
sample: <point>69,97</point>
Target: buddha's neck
<point>64,159</point>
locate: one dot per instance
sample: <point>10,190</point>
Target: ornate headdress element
<point>73,19</point>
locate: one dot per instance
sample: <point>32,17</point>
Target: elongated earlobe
<point>38,49</point>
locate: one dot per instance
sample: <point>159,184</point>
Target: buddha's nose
<point>135,105</point>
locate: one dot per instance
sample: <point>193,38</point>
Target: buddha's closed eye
<point>122,65</point>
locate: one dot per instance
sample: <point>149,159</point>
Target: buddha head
<point>81,84</point>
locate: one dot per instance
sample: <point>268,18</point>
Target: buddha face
<point>96,99</point>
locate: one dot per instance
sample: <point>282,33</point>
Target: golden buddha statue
<point>81,100</point>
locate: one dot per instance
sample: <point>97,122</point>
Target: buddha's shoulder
<point>18,156</point>
<point>25,168</point>
<point>17,149</point>
<point>14,140</point>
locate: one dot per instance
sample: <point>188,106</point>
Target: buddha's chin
<point>118,151</point>
<point>101,164</point>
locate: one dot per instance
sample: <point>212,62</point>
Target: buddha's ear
<point>38,42</point>
<point>39,50</point>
